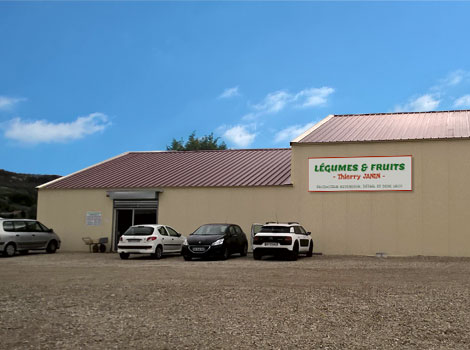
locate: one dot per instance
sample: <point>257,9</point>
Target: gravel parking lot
<point>75,300</point>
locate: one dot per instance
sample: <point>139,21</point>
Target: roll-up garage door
<point>132,204</point>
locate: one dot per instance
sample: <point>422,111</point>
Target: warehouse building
<point>390,183</point>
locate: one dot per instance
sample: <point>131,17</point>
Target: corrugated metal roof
<point>389,127</point>
<point>226,168</point>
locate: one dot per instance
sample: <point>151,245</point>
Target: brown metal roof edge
<point>397,113</point>
<point>217,150</point>
<point>162,188</point>
<point>82,170</point>
<point>312,129</point>
<point>386,141</point>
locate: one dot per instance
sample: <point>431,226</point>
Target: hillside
<point>18,194</point>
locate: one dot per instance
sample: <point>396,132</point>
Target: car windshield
<point>139,231</point>
<point>211,230</point>
<point>275,229</point>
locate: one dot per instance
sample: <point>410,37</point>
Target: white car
<point>286,239</point>
<point>150,239</point>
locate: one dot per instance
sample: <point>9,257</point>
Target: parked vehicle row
<point>217,241</point>
<point>208,241</point>
<point>21,235</point>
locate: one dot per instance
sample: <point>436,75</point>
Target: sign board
<point>336,174</point>
<point>93,218</point>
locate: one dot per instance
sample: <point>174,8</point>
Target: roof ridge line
<point>395,113</point>
<point>82,170</point>
<point>218,150</point>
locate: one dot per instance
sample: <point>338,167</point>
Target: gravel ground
<point>97,301</point>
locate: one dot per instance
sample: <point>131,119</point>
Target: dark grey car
<point>21,235</point>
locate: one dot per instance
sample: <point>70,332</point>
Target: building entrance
<point>128,212</point>
<point>128,217</point>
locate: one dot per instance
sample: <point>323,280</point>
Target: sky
<point>81,82</point>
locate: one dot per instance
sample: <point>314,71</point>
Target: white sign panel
<point>93,218</point>
<point>389,173</point>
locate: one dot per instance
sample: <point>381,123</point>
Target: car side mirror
<point>309,233</point>
<point>50,230</point>
<point>178,234</point>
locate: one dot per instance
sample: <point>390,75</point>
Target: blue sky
<point>81,82</point>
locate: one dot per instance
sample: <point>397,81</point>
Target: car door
<point>39,238</point>
<point>303,238</point>
<point>166,241</point>
<point>241,238</point>
<point>176,239</point>
<point>23,238</point>
<point>9,234</point>
<point>232,239</point>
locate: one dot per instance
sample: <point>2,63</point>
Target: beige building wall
<point>430,220</point>
<point>65,211</point>
<point>185,209</point>
<point>188,208</point>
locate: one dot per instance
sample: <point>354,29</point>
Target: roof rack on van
<point>277,222</point>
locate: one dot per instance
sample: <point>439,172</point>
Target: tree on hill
<point>207,142</point>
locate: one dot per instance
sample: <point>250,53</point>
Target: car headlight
<point>218,242</point>
<point>185,242</point>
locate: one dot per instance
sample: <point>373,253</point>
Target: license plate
<point>199,249</point>
<point>133,240</point>
<point>271,244</point>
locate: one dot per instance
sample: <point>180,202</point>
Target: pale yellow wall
<point>65,211</point>
<point>187,208</point>
<point>430,220</point>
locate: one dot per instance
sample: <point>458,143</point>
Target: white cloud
<point>273,102</point>
<point>313,97</point>
<point>230,92</point>
<point>8,102</point>
<point>240,136</point>
<point>452,79</point>
<point>292,132</point>
<point>424,103</point>
<point>463,101</point>
<point>276,101</point>
<point>243,135</point>
<point>42,131</point>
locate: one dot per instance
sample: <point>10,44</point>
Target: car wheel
<point>10,250</point>
<point>124,256</point>
<point>23,252</point>
<point>158,253</point>
<point>244,250</point>
<point>225,254</point>
<point>187,257</point>
<point>295,252</point>
<point>102,248</point>
<point>51,247</point>
<point>256,255</point>
<point>310,250</point>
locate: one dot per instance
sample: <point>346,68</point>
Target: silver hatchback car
<point>22,235</point>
